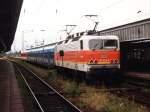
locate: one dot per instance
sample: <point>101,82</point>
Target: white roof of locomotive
<point>88,37</point>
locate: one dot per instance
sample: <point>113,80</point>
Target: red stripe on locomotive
<point>97,56</point>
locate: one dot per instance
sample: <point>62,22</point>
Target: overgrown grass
<point>52,75</point>
<point>93,99</point>
<point>71,88</point>
<point>106,102</point>
<point>116,104</point>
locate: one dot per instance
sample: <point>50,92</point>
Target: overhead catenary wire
<point>112,5</point>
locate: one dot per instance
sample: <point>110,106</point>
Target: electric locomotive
<point>88,53</point>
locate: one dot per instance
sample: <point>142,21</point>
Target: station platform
<point>10,96</point>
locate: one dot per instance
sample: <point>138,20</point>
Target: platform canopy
<point>9,15</point>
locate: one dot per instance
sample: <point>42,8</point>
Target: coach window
<point>81,44</point>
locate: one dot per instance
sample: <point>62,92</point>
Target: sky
<point>43,21</point>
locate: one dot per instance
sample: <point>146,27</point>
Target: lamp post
<point>42,42</point>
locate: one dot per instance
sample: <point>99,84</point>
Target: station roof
<point>9,15</point>
<point>126,25</point>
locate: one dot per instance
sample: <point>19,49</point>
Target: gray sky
<point>43,19</point>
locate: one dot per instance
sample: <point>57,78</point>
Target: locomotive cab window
<point>110,44</point>
<point>95,44</point>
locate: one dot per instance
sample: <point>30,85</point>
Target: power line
<point>112,4</point>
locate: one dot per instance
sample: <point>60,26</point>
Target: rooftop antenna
<point>96,22</point>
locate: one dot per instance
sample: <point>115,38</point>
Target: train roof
<point>44,46</point>
<point>83,37</point>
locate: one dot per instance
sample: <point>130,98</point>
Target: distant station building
<point>135,43</point>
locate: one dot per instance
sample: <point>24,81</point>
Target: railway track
<point>47,98</point>
<point>135,91</point>
<point>135,95</point>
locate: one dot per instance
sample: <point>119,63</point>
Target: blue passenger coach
<point>43,55</point>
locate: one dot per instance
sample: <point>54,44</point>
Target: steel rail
<point>47,85</point>
<point>39,105</point>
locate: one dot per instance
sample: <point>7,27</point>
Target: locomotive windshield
<point>96,44</point>
<point>110,44</point>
